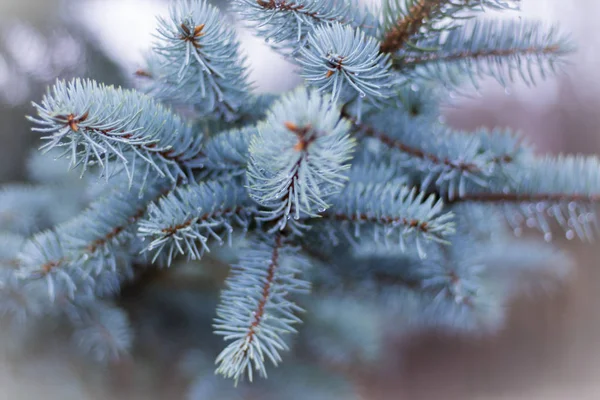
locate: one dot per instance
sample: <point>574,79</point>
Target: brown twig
<point>525,198</point>
<point>409,25</point>
<point>411,61</point>
<point>422,226</point>
<point>74,124</point>
<point>266,290</point>
<point>172,230</point>
<point>413,151</point>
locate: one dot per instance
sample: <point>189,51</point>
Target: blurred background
<point>550,348</point>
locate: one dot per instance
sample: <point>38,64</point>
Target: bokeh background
<point>550,348</point>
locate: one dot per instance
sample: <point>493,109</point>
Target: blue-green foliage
<point>254,320</point>
<point>342,60</point>
<point>394,212</point>
<point>554,176</point>
<point>101,331</point>
<point>425,20</point>
<point>100,124</point>
<point>503,50</point>
<point>198,63</point>
<point>351,187</point>
<point>287,23</point>
<point>183,221</point>
<point>298,158</point>
<point>226,154</point>
<point>451,162</point>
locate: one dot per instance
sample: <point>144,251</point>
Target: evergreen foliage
<point>198,62</point>
<point>350,188</point>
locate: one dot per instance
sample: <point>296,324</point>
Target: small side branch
<point>256,308</point>
<point>423,58</point>
<point>478,48</point>
<point>411,151</point>
<point>421,226</point>
<point>259,313</point>
<point>525,198</point>
<point>574,213</point>
<point>174,229</point>
<point>392,213</point>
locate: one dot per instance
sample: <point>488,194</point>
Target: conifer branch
<point>479,48</point>
<point>101,124</point>
<point>227,154</point>
<point>453,276</point>
<point>574,212</point>
<point>10,244</point>
<point>418,225</point>
<point>343,60</point>
<point>255,308</point>
<point>484,197</point>
<point>442,287</point>
<point>42,256</point>
<point>93,238</point>
<point>77,254</point>
<point>452,163</point>
<point>259,313</point>
<point>373,219</point>
<point>197,61</point>
<point>548,190</point>
<point>26,209</point>
<point>142,73</point>
<point>285,6</point>
<point>413,61</point>
<point>101,331</point>
<point>312,149</point>
<point>183,221</point>
<point>371,167</point>
<point>395,213</point>
<point>19,302</point>
<point>411,151</point>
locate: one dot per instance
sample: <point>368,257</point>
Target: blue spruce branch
<point>312,150</point>
<point>197,61</point>
<point>191,215</point>
<point>394,212</point>
<point>548,190</point>
<point>479,48</point>
<point>226,154</point>
<point>102,125</point>
<point>339,59</point>
<point>255,320</point>
<point>451,162</point>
